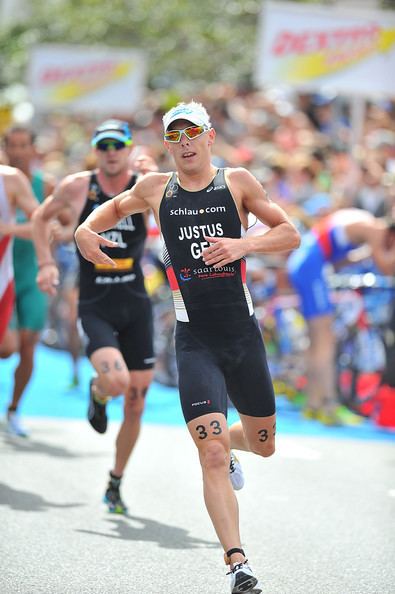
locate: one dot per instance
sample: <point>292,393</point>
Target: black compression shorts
<point>125,324</point>
<point>216,360</point>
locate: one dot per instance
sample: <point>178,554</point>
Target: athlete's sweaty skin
<point>198,344</point>
<point>120,345</point>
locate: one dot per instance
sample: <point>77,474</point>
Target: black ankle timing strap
<point>115,480</point>
<point>231,551</point>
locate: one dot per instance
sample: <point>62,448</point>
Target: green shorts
<point>31,304</point>
<point>30,311</point>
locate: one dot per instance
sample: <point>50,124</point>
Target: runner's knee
<point>135,401</point>
<point>115,384</point>
<point>264,449</point>
<point>6,351</point>
<point>213,456</point>
<point>9,346</point>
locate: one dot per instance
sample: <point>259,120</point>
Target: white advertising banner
<point>86,79</point>
<point>312,48</point>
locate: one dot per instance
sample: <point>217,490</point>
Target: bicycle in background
<point>364,305</point>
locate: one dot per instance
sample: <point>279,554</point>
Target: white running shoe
<point>236,472</point>
<point>14,425</point>
<point>242,580</point>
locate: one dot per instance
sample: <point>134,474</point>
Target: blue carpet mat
<point>48,395</point>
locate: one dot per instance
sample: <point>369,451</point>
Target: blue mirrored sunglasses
<point>110,145</point>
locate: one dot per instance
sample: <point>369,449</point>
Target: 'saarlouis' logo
<point>185,274</point>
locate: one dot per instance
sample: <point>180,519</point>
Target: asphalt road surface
<point>316,518</point>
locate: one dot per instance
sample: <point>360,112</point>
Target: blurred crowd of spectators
<point>308,150</point>
<point>302,147</point>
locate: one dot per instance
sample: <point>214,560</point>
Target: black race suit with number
<point>114,308</point>
<point>219,345</point>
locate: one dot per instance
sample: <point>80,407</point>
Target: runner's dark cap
<point>114,130</point>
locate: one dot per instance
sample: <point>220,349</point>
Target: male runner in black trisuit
<point>202,213</point>
<point>114,308</point>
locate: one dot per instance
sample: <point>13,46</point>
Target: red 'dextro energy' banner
<point>314,47</point>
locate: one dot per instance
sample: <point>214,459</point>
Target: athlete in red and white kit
<point>15,192</point>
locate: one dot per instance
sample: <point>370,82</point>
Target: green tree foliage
<point>185,40</point>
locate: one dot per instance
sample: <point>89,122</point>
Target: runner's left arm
<point>282,235</point>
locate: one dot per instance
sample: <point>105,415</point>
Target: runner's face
<point>19,150</point>
<point>190,155</point>
<point>112,161</point>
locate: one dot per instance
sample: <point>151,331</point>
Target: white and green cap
<point>193,112</point>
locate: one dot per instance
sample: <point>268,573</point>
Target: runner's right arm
<point>107,215</point>
<point>48,274</point>
<point>383,254</point>
<point>19,189</point>
<point>24,197</point>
